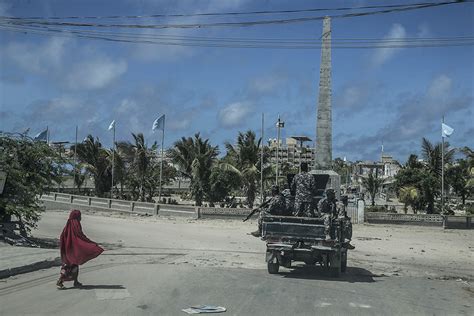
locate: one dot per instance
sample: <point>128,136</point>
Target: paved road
<point>161,267</point>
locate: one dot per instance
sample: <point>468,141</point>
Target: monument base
<point>328,179</point>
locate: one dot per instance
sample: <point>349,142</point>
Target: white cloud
<point>95,74</point>
<point>440,87</point>
<point>233,114</point>
<point>154,52</point>
<point>5,8</point>
<point>127,106</point>
<point>267,83</point>
<point>383,54</point>
<point>37,58</point>
<point>424,31</point>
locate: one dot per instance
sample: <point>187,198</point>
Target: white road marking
<point>359,305</point>
<point>111,294</point>
<point>323,304</point>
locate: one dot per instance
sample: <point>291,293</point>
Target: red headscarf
<point>76,248</point>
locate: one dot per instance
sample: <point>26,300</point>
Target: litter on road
<point>202,309</point>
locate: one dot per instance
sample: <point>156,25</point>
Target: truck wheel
<point>343,262</point>
<point>273,267</point>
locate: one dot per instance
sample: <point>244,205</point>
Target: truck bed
<point>290,227</point>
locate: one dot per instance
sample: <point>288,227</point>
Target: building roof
<point>301,138</point>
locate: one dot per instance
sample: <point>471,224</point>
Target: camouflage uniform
<point>276,206</point>
<point>304,187</point>
<point>288,201</point>
<point>328,211</point>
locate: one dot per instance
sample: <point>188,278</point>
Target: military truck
<point>303,239</point>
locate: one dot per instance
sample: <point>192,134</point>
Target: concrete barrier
<point>68,201</point>
<point>408,219</point>
<point>457,222</point>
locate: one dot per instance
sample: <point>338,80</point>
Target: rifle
<point>264,204</point>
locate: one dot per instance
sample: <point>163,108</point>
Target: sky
<point>394,96</point>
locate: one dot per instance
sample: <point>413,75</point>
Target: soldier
<point>276,206</point>
<point>288,200</point>
<point>329,211</point>
<point>304,187</point>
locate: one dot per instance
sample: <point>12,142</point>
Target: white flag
<point>446,130</point>
<point>112,125</point>
<point>159,123</point>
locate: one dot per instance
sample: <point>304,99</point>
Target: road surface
<point>161,266</point>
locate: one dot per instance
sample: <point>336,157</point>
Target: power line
<point>263,12</point>
<point>461,41</point>
<point>21,21</point>
<point>313,41</point>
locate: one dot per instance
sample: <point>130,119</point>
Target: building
<point>292,152</point>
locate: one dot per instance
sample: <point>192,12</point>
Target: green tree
<point>245,156</point>
<point>409,196</point>
<point>31,168</point>
<point>195,158</point>
<point>432,155</point>
<point>372,184</point>
<point>342,168</point>
<point>458,177</point>
<point>96,162</point>
<point>223,182</point>
<point>140,157</point>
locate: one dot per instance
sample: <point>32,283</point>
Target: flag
<point>446,130</point>
<point>112,125</point>
<point>42,136</point>
<point>159,123</point>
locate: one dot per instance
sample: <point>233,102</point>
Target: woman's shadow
<point>98,286</point>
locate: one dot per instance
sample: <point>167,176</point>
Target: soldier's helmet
<point>275,189</point>
<point>330,194</point>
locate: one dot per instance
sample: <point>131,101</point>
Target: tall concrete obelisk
<point>324,117</point>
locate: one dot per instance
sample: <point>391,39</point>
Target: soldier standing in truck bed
<point>276,206</point>
<point>304,186</point>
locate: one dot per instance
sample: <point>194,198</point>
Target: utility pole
<point>442,168</point>
<point>261,159</point>
<point>75,163</point>
<point>280,124</point>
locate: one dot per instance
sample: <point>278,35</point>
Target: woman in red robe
<point>76,249</point>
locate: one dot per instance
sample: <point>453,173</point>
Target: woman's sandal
<point>77,284</point>
<point>60,285</point>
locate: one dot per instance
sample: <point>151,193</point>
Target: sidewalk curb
<point>45,264</point>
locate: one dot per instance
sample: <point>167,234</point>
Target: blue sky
<point>394,96</point>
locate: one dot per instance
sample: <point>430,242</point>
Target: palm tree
<point>195,158</point>
<point>245,157</point>
<point>408,196</point>
<point>372,185</point>
<point>95,160</point>
<point>139,157</point>
<point>432,154</point>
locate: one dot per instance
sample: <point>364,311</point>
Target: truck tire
<point>343,262</point>
<point>273,267</point>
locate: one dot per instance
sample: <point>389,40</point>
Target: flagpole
<point>278,149</point>
<point>261,160</point>
<point>113,163</point>
<point>75,162</point>
<point>47,135</point>
<point>442,166</point>
<point>161,163</point>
